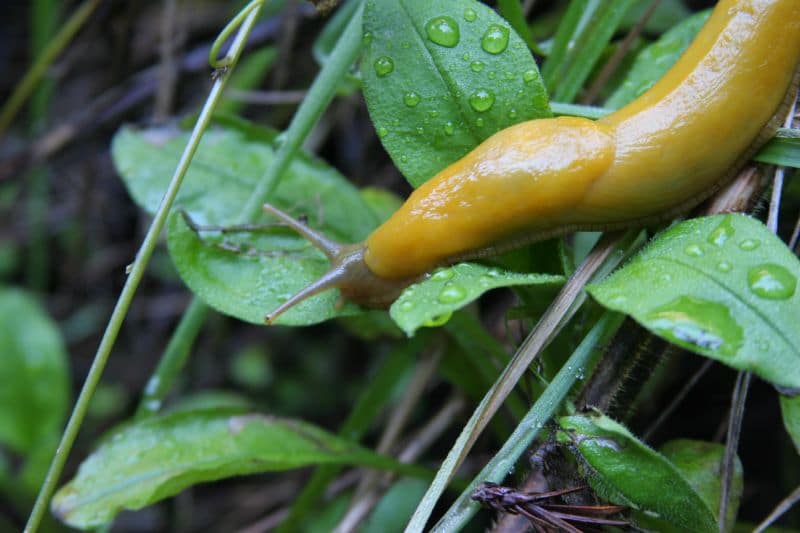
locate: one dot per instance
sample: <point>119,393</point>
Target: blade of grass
<point>36,72</point>
<point>531,425</point>
<point>244,22</point>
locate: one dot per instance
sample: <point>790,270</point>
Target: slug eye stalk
<point>348,271</point>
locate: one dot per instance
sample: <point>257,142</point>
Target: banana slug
<point>653,159</point>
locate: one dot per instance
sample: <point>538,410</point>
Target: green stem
<point>174,358</point>
<point>131,284</point>
<point>317,99</point>
<point>531,425</point>
<point>25,87</point>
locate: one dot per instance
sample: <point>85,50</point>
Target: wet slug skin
<point>655,158</point>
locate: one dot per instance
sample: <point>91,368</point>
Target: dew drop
<point>720,235</point>
<point>452,293</point>
<point>420,130</point>
<point>466,56</point>
<point>433,113</point>
<point>771,281</point>
<point>443,274</point>
<point>407,306</point>
<point>406,45</point>
<point>443,31</point>
<point>699,323</point>
<point>438,320</point>
<point>493,273</point>
<point>449,128</point>
<point>529,76</point>
<point>495,40</point>
<point>477,65</point>
<point>403,158</point>
<point>479,122</point>
<point>366,38</point>
<point>481,100</point>
<point>512,113</point>
<point>470,15</point>
<point>382,132</point>
<point>411,98</point>
<point>384,66</point>
<point>492,75</point>
<point>693,250</point>
<point>748,245</point>
<point>724,266</point>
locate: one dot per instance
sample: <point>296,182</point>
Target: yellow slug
<point>657,157</point>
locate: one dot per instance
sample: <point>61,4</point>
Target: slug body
<point>655,158</point>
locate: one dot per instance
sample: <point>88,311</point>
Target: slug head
<point>348,271</point>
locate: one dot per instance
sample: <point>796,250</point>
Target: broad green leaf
<point>652,62</point>
<point>432,301</point>
<point>244,274</point>
<point>583,33</point>
<point>724,287</point>
<point>440,76</point>
<point>790,407</point>
<point>147,461</point>
<point>701,463</point>
<point>626,471</point>
<point>34,378</point>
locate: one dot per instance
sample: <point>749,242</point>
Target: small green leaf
<point>701,464</point>
<point>244,274</point>
<point>626,471</point>
<point>783,149</point>
<point>432,301</point>
<point>147,461</point>
<point>441,76</point>
<point>34,380</point>
<point>724,287</point>
<point>790,407</point>
<point>652,62</point>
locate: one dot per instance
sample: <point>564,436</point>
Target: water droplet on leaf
<point>698,323</point>
<point>495,40</point>
<point>470,15</point>
<point>481,100</point>
<point>384,66</point>
<point>443,31</point>
<point>749,245</point>
<point>411,98</point>
<point>771,281</point>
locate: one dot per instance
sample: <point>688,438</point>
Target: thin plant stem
<point>134,277</point>
<point>24,89</point>
<point>731,444</point>
<point>781,508</point>
<point>531,425</point>
<point>174,358</point>
<point>319,95</point>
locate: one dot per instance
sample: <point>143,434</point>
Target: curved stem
<point>132,283</point>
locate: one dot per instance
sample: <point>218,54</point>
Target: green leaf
<point>583,33</point>
<point>783,149</point>
<point>150,460</point>
<point>441,76</point>
<point>790,407</point>
<point>244,274</point>
<point>724,287</point>
<point>626,471</point>
<point>667,14</point>
<point>701,463</point>
<point>34,380</point>
<point>432,301</point>
<point>652,62</point>
<point>396,506</point>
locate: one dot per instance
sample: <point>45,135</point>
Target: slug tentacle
<point>348,271</point>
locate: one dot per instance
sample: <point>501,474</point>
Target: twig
<point>732,443</point>
<point>784,505</point>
